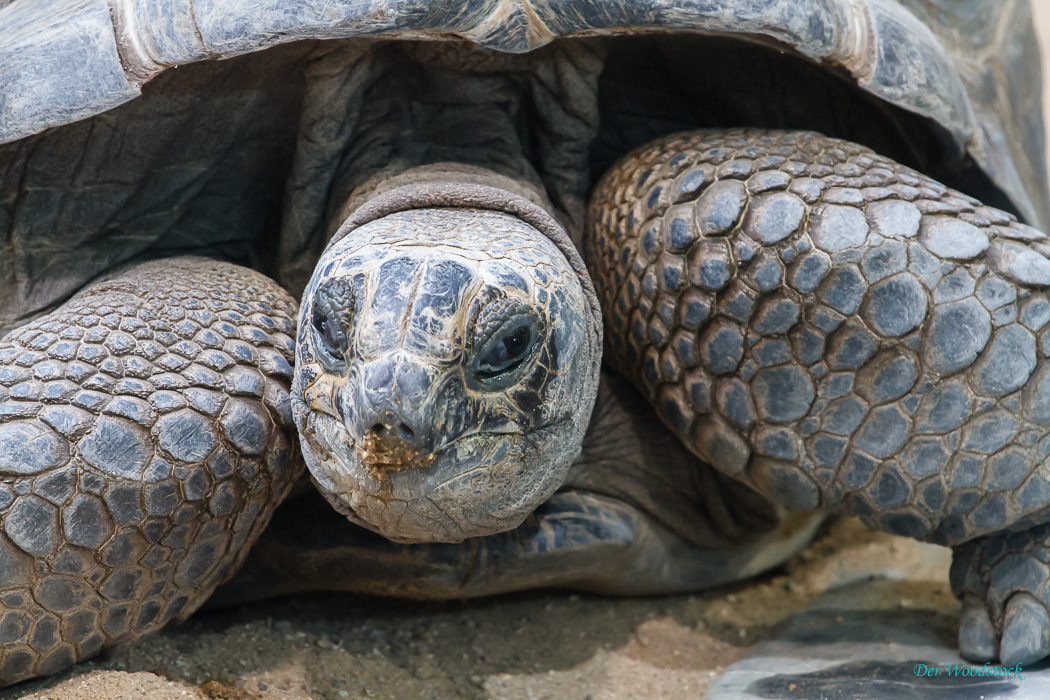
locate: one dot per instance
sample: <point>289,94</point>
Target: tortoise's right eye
<point>333,309</point>
<point>333,341</point>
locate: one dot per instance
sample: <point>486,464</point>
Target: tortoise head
<point>446,369</point>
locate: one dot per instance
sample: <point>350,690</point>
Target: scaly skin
<point>145,439</point>
<point>1004,583</point>
<point>397,429</point>
<point>837,331</point>
<point>825,342</point>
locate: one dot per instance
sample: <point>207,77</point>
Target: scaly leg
<point>833,329</point>
<point>1004,584</point>
<point>145,440</point>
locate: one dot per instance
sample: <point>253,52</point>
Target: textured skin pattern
<point>413,296</point>
<point>832,328</point>
<point>1004,583</point>
<point>145,439</point>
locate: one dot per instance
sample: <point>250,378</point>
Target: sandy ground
<point>540,646</point>
<point>545,645</point>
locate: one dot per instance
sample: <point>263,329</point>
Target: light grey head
<point>446,369</point>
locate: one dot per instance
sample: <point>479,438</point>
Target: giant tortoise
<point>798,318</point>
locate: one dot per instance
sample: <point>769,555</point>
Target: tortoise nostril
<point>400,430</point>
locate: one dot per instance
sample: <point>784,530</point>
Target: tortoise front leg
<point>839,331</point>
<point>145,439</point>
<point>1004,584</point>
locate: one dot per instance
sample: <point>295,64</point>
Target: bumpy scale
<point>839,331</point>
<point>145,439</point>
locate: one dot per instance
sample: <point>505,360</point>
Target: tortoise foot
<point>577,540</point>
<point>144,444</point>
<point>1004,583</point>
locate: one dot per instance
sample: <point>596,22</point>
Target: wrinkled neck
<point>443,105</point>
<point>444,173</point>
<point>375,110</point>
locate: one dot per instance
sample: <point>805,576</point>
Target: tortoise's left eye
<point>507,347</point>
<point>507,335</point>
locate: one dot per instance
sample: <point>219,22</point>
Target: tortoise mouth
<point>379,464</point>
<point>381,455</point>
<point>479,484</point>
<point>378,457</point>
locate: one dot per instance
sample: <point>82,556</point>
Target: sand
<point>542,645</point>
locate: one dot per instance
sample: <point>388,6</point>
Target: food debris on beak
<point>383,451</point>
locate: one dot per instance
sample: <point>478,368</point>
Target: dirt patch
<point>552,645</point>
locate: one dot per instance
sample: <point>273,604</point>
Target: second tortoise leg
<point>145,440</point>
<point>837,331</point>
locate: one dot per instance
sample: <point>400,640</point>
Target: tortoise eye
<point>333,341</point>
<point>333,308</point>
<point>507,333</point>
<point>507,347</point>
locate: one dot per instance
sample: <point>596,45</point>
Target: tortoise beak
<point>393,417</point>
<point>392,444</point>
